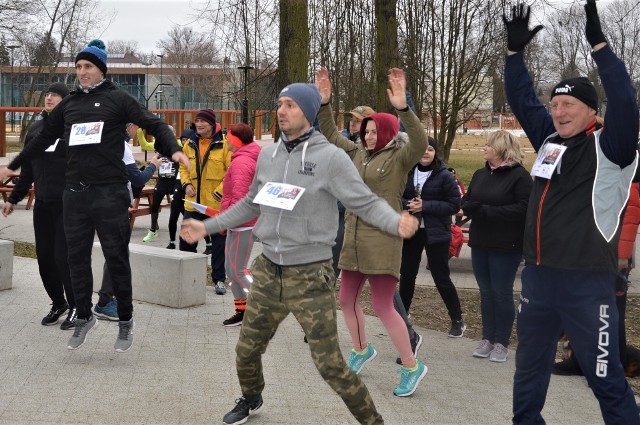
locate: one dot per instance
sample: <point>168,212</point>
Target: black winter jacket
<point>440,200</point>
<point>46,170</point>
<point>497,203</point>
<point>98,163</point>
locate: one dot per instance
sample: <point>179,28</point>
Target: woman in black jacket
<point>433,196</point>
<point>496,201</point>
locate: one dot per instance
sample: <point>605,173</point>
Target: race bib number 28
<point>88,133</point>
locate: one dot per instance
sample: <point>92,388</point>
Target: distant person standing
<point>497,201</point>
<point>432,195</point>
<point>166,182</point>
<point>177,198</point>
<point>96,200</point>
<point>209,158</point>
<point>240,239</point>
<point>47,171</point>
<point>355,117</point>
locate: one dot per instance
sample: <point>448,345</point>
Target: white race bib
<point>279,195</point>
<point>548,159</point>
<point>166,169</point>
<point>88,133</point>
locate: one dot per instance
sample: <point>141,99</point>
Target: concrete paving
<point>181,369</point>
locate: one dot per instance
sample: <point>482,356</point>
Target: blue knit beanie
<point>96,54</point>
<point>306,96</point>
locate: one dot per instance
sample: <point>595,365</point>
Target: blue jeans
<point>495,273</point>
<point>582,303</point>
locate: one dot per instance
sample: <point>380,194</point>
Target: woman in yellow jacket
<point>210,159</point>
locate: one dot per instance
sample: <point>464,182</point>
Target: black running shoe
<point>416,343</point>
<point>457,329</point>
<point>70,321</point>
<point>235,320</point>
<point>54,315</point>
<point>244,408</point>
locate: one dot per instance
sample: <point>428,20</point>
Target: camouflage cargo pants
<point>307,291</point>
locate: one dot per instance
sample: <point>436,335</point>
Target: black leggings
<point>163,187</point>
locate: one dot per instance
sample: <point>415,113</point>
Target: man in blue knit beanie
<point>96,54</point>
<point>91,122</point>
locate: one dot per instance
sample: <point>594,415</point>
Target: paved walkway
<point>181,369</point>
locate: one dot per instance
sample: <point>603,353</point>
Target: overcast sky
<point>146,21</point>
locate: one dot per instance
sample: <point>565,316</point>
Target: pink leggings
<point>383,288</point>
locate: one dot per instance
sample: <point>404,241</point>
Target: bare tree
<point>247,35</point>
<point>192,56</point>
<point>60,18</point>
<point>123,46</point>
<point>463,40</point>
<point>621,24</point>
<point>14,16</point>
<point>386,49</point>
<point>293,50</point>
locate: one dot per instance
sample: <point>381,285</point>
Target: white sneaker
<point>484,349</point>
<point>499,353</point>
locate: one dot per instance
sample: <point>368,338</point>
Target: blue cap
<point>306,96</point>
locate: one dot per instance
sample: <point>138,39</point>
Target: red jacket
<point>239,176</point>
<point>630,223</point>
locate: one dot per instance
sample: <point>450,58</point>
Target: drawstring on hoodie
<point>304,151</point>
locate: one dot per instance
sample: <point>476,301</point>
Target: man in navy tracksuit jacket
<point>572,226</point>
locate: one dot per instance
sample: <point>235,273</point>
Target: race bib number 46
<point>88,133</point>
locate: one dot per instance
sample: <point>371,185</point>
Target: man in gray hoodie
<point>295,274</point>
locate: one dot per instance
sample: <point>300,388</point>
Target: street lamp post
<point>161,56</point>
<point>245,101</point>
<point>156,93</point>
<point>12,113</point>
<point>146,84</point>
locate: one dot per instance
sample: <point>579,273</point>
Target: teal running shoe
<point>410,378</point>
<point>358,360</point>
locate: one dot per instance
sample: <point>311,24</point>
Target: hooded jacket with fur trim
<point>366,249</point>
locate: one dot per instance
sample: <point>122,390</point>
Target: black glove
<point>518,32</point>
<point>593,30</point>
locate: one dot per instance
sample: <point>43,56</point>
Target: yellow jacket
<point>207,177</point>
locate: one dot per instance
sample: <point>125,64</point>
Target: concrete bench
<point>6,264</point>
<point>160,276</point>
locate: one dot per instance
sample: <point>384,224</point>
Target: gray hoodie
<point>307,233</point>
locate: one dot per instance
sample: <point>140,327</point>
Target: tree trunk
<point>294,45</point>
<point>386,49</point>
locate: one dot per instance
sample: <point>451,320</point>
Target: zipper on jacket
<point>538,220</point>
<point>284,180</point>
<point>196,148</point>
<point>199,169</point>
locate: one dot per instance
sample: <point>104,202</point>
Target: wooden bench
<point>7,185</point>
<point>142,204</point>
<point>465,229</point>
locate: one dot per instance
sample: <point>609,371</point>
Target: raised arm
<point>325,115</point>
<point>524,103</point>
<point>620,136</point>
